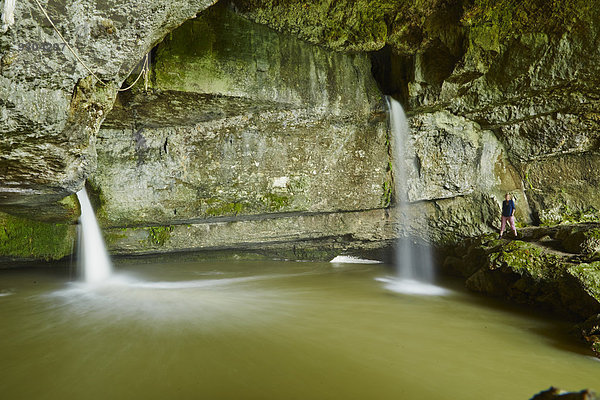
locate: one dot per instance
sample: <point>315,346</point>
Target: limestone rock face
<point>230,131</point>
<point>564,187</point>
<point>526,72</point>
<point>452,156</point>
<point>537,93</point>
<point>245,137</point>
<point>50,106</point>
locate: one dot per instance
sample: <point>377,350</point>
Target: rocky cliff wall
<point>245,137</point>
<point>525,72</point>
<point>232,132</point>
<point>243,126</point>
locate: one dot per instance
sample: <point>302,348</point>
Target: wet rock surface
<point>590,333</point>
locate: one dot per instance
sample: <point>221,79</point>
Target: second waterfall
<point>94,260</point>
<point>414,260</point>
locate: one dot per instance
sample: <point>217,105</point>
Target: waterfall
<point>414,261</point>
<point>94,261</point>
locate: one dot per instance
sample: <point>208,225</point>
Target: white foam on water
<point>199,283</point>
<point>94,261</point>
<point>353,260</point>
<point>202,304</point>
<point>125,283</point>
<point>409,286</point>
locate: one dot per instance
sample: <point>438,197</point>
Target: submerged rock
<point>558,394</point>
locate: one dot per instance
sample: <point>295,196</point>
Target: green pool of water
<point>271,330</point>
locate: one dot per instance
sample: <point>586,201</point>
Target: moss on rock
<point>225,209</point>
<point>158,235</point>
<point>276,202</point>
<point>508,17</point>
<point>22,238</point>
<point>589,277</point>
<point>526,259</point>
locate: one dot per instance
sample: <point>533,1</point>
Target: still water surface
<point>271,330</point>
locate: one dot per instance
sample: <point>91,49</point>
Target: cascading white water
<point>414,261</point>
<point>94,261</point>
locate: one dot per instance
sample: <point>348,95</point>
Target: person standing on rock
<point>508,214</point>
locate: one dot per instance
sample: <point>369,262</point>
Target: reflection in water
<point>271,330</point>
